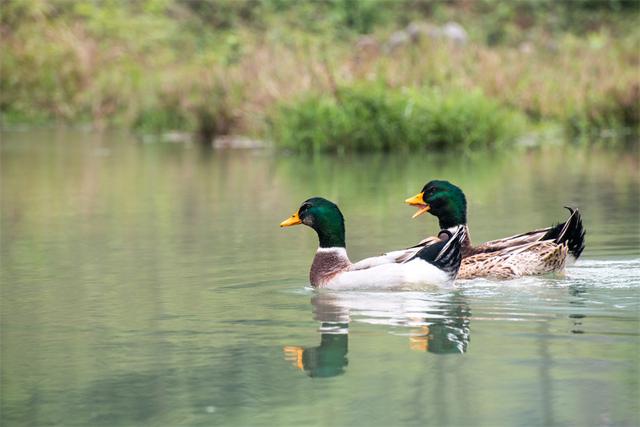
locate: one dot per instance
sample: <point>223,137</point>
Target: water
<point>148,284</point>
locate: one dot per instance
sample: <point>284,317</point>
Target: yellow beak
<point>294,354</point>
<point>418,200</point>
<point>294,220</point>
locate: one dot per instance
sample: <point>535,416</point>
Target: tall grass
<point>223,67</point>
<point>374,117</point>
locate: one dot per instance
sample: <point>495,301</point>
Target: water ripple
<point>602,291</point>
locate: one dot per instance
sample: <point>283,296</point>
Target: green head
<point>444,200</point>
<point>324,217</point>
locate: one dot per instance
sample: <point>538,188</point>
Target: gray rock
<point>236,141</point>
<point>454,32</point>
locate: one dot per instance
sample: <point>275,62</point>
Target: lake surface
<point>148,284</point>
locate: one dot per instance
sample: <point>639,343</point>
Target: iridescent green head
<point>442,199</point>
<point>324,217</point>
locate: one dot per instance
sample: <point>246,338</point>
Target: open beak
<point>293,220</point>
<point>418,201</point>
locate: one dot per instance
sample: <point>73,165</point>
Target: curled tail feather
<point>571,232</point>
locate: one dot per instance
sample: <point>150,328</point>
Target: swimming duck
<point>435,263</point>
<point>541,251</point>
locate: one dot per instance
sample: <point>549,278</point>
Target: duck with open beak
<point>418,201</point>
<point>541,251</point>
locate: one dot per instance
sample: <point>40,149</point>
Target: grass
<point>374,117</point>
<point>246,67</point>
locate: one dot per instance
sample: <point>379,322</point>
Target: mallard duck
<point>540,251</point>
<point>435,263</point>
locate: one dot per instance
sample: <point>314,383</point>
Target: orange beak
<point>418,200</point>
<point>293,353</point>
<point>293,220</point>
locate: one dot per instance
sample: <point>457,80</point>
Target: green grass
<point>374,117</point>
<point>224,67</point>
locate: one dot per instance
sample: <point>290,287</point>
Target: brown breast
<point>326,264</point>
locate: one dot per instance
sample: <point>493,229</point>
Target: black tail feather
<point>572,232</point>
<point>446,255</point>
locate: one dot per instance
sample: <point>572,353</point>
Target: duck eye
<point>305,207</point>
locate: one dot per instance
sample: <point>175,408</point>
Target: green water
<point>148,284</point>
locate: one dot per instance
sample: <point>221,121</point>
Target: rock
<point>234,141</point>
<point>416,31</point>
<point>176,136</point>
<point>454,32</point>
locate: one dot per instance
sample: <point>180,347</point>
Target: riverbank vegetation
<point>324,75</point>
<point>370,116</point>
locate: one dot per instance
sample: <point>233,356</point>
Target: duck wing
<point>446,253</point>
<point>395,257</point>
<point>511,241</point>
<point>571,231</point>
<point>529,259</point>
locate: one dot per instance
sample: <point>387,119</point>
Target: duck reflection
<point>440,325</point>
<point>447,334</point>
<point>330,357</point>
<point>326,360</point>
<point>578,294</point>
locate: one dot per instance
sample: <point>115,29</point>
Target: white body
<point>416,273</point>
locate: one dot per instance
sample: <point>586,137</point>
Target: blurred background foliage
<point>292,70</point>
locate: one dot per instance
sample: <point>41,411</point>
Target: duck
<point>541,251</point>
<point>434,264</point>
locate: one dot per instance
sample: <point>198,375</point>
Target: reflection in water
<point>443,326</point>
<point>326,360</point>
<point>578,293</point>
<point>330,357</point>
<point>448,333</point>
